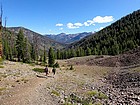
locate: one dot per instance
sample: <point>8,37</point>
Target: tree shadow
<point>43,76</point>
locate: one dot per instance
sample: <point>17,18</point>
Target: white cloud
<point>101,28</point>
<point>95,20</point>
<point>88,23</point>
<point>75,25</point>
<point>78,24</point>
<point>106,19</point>
<point>98,29</point>
<point>59,25</point>
<point>60,28</point>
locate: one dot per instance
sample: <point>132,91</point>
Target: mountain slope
<point>117,38</point>
<point>69,38</point>
<point>42,40</point>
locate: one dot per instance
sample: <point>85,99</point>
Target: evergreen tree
<point>33,56</point>
<point>104,51</point>
<point>73,53</point>
<point>115,49</point>
<point>51,56</point>
<point>82,51</point>
<point>45,55</point>
<point>88,52</point>
<point>26,52</point>
<point>58,54</point>
<point>130,44</point>
<point>10,53</point>
<point>95,51</point>
<point>5,49</point>
<point>19,45</point>
<point>78,52</point>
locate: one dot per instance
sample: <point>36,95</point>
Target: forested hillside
<point>26,45</point>
<point>41,40</point>
<point>117,38</point>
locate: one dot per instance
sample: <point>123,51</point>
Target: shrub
<point>102,96</point>
<point>56,65</point>
<point>55,93</point>
<point>1,66</point>
<point>92,93</point>
<point>99,95</point>
<point>97,103</point>
<point>71,67</point>
<point>2,89</point>
<point>41,70</point>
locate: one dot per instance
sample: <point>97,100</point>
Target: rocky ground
<point>84,85</point>
<point>123,87</point>
<point>127,59</point>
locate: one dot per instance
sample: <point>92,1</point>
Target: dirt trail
<point>22,88</point>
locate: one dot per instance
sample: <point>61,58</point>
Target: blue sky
<point>68,16</point>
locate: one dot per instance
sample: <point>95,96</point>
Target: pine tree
<point>51,56</point>
<point>73,53</point>
<point>33,56</point>
<point>104,51</point>
<point>10,53</point>
<point>95,51</point>
<point>26,52</point>
<point>115,49</point>
<point>78,52</point>
<point>19,45</point>
<point>88,52</point>
<point>82,51</point>
<point>5,49</point>
<point>58,54</point>
<point>45,55</point>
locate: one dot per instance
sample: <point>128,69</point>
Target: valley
<point>84,85</point>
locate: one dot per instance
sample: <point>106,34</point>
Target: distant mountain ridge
<point>42,40</point>
<point>68,38</point>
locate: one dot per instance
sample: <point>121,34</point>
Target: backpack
<point>46,69</point>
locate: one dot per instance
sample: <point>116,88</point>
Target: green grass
<point>3,75</point>
<point>55,93</point>
<point>42,64</point>
<point>92,93</point>
<point>102,96</point>
<point>41,70</point>
<point>98,94</point>
<point>97,103</point>
<point>2,89</point>
<point>32,64</point>
<point>1,66</point>
<point>67,103</point>
<point>136,69</point>
<point>1,61</point>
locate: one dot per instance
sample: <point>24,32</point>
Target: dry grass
<point>2,89</point>
<point>136,69</point>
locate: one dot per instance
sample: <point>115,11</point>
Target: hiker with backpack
<point>53,71</point>
<point>46,70</point>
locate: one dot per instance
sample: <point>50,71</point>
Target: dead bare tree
<point>1,32</point>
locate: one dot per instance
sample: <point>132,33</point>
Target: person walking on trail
<point>53,70</point>
<point>46,70</point>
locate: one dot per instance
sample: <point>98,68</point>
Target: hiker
<point>46,70</point>
<point>53,70</point>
